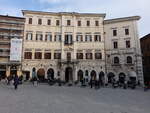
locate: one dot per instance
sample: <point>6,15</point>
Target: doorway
<point>68,74</point>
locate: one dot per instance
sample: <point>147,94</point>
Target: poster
<point>16,50</point>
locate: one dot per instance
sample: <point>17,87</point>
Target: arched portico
<point>50,74</point>
<point>68,74</point>
<point>41,74</point>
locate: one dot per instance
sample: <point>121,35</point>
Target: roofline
<point>63,13</point>
<point>131,18</point>
<point>145,37</point>
<point>12,16</point>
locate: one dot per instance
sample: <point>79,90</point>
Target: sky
<point>112,8</point>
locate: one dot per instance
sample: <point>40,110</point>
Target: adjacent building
<point>145,47</point>
<point>122,45</point>
<point>76,45</point>
<point>11,34</point>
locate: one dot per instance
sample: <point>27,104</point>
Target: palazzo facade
<point>73,46</point>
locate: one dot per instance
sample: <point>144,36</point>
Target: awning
<point>132,74</point>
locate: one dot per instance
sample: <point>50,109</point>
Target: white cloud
<point>11,11</point>
<point>112,8</point>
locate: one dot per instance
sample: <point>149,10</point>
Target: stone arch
<point>80,75</point>
<point>110,75</point>
<point>13,70</point>
<point>102,78</point>
<point>122,77</point>
<point>50,73</point>
<point>93,75</point>
<point>101,75</point>
<point>129,60</point>
<point>68,74</point>
<point>33,72</point>
<point>41,74</point>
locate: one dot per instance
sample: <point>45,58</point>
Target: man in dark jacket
<point>16,82</point>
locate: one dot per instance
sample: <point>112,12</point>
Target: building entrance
<point>50,74</point>
<point>41,74</point>
<point>68,74</point>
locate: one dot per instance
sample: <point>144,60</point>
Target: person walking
<point>16,82</point>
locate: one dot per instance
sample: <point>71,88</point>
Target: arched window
<point>129,60</point>
<point>116,60</point>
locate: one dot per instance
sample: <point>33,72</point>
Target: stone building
<point>10,28</point>
<point>145,47</point>
<point>76,45</point>
<point>122,44</point>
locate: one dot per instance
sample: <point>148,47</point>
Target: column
<point>19,72</point>
<point>7,71</point>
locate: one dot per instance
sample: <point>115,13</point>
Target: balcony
<point>2,54</point>
<point>5,42</point>
<point>11,22</point>
<point>69,61</point>
<point>11,29</point>
<point>68,43</point>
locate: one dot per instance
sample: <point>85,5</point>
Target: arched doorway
<point>80,75</point>
<point>110,76</point>
<point>101,77</point>
<point>27,75</point>
<point>13,70</point>
<point>33,72</point>
<point>50,74</point>
<point>93,75</point>
<point>122,77</point>
<point>2,72</point>
<point>41,74</point>
<point>68,74</point>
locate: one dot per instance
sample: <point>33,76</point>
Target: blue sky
<point>112,8</point>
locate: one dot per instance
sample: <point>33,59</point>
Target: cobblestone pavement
<point>54,99</point>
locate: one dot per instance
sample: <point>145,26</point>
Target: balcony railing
<point>4,54</point>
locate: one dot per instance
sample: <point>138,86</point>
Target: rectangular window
<point>39,37</point>
<point>115,45</point>
<point>88,23</point>
<point>97,38</point>
<point>57,38</point>
<point>79,23</point>
<point>39,21</point>
<point>28,55</point>
<point>96,23</point>
<point>47,56</point>
<point>126,31</point>
<point>48,37</point>
<point>114,32</point>
<point>98,56</point>
<point>89,56</point>
<point>48,22</point>
<point>69,56</point>
<point>79,55</point>
<point>30,20</point>
<point>57,55</point>
<point>68,22</point>
<point>57,22</point>
<point>127,44</point>
<point>68,39</point>
<point>29,36</point>
<point>79,38</point>
<point>38,55</point>
<point>88,38</point>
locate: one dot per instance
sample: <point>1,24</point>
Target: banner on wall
<point>16,50</point>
